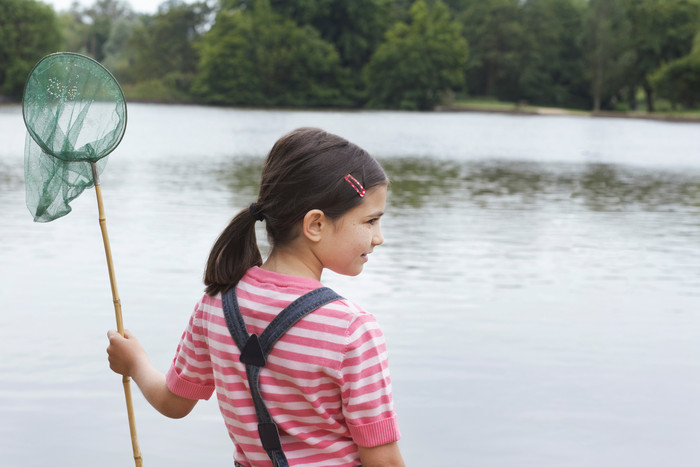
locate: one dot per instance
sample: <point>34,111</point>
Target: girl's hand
<point>125,353</point>
<point>127,357</point>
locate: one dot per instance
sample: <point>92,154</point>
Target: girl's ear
<point>313,225</point>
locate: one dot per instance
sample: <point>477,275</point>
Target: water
<point>539,285</point>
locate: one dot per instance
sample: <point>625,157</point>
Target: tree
<point>254,56</point>
<point>419,63</point>
<point>606,44</point>
<point>87,30</point>
<point>28,31</point>
<point>73,30</point>
<point>660,31</point>
<point>118,56</point>
<point>496,37</point>
<point>99,19</point>
<point>679,80</point>
<point>355,28</point>
<point>553,70</point>
<point>165,42</point>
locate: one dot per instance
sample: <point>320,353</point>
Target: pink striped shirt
<point>326,382</point>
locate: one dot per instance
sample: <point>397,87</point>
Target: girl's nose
<point>378,238</point>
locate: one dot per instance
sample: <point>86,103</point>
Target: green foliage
<point>74,31</point>
<point>679,80</point>
<point>355,28</point>
<point>98,20</point>
<point>171,87</point>
<point>119,58</point>
<point>419,63</point>
<point>99,31</point>
<point>552,71</point>
<point>607,49</point>
<point>160,54</point>
<point>661,31</point>
<point>28,31</point>
<point>496,36</point>
<point>384,53</point>
<point>256,57</point>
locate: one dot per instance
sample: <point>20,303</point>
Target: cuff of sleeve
<point>183,388</point>
<point>375,434</point>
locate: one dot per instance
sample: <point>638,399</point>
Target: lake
<point>539,285</point>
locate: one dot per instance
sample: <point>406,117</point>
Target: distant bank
<point>500,108</point>
<point>553,111</point>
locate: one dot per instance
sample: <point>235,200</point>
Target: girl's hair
<point>304,170</point>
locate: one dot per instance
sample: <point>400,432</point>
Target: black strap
<point>255,349</point>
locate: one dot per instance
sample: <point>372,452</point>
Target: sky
<point>140,6</point>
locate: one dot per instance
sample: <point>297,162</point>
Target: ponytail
<point>234,252</point>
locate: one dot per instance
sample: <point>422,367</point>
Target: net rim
<point>99,65</point>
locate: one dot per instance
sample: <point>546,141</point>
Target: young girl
<point>326,381</point>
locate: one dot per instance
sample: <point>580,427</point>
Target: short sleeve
<point>191,374</point>
<point>368,404</point>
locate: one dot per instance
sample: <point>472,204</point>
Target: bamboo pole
<point>126,381</point>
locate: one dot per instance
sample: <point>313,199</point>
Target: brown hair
<point>304,170</point>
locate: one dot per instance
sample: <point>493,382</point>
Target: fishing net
<point>75,115</point>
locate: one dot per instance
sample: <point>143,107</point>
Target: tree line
<point>398,54</point>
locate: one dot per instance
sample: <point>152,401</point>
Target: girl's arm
<point>386,455</point>
<point>127,357</point>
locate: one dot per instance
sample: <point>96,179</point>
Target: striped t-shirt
<point>326,382</point>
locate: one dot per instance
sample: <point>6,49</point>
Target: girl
<point>326,381</point>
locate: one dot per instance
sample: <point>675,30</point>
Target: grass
<point>494,105</point>
<point>486,103</point>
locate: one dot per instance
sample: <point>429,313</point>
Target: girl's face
<point>346,245</point>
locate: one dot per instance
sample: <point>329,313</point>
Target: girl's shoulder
<point>348,308</point>
<point>349,320</point>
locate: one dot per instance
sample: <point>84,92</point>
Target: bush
<point>679,81</point>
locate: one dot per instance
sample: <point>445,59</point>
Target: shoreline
<point>558,112</point>
<point>457,108</point>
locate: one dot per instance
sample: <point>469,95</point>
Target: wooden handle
<point>118,313</point>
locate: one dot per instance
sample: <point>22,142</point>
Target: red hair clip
<point>356,185</point>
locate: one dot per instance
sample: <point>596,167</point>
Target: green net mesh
<point>75,115</point>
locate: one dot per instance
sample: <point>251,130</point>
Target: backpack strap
<point>255,349</point>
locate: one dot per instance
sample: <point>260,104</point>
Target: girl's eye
<point>372,221</point>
